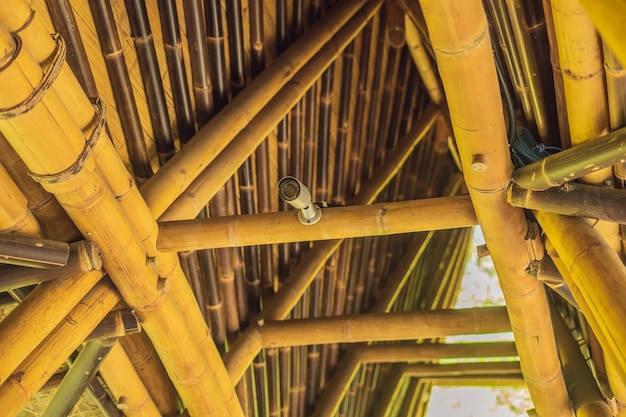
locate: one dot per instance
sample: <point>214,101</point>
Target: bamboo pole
<point>150,371</point>
<point>34,370</point>
<point>115,325</point>
<point>598,282</point>
<point>606,17</point>
<point>53,221</point>
<point>15,216</point>
<point>127,388</point>
<point>336,223</point>
<point>460,38</point>
<point>571,164</point>
<point>76,380</point>
<point>582,386</point>
<point>390,393</point>
<point>373,327</point>
<point>213,177</point>
<point>422,61</point>
<point>161,190</point>
<point>338,386</point>
<point>572,199</point>
<point>85,198</point>
<point>425,352</point>
<point>463,369</point>
<point>35,317</point>
<point>33,252</point>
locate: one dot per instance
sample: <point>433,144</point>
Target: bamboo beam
<point>33,252</point>
<point>96,212</point>
<point>573,163</point>
<point>77,379</point>
<point>33,372</point>
<point>488,381</point>
<point>405,352</point>
<point>375,327</point>
<point>174,177</point>
<point>116,324</point>
<point>35,317</point>
<point>572,199</point>
<point>460,38</point>
<point>83,257</point>
<point>15,216</point>
<point>598,274</point>
<point>336,223</point>
<point>462,369</point>
<point>127,388</point>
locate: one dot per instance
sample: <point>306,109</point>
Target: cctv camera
<point>297,195</point>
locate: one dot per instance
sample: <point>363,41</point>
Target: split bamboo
<point>173,178</point>
<point>77,378</point>
<point>127,388</point>
<point>33,372</point>
<point>606,17</point>
<point>35,317</point>
<point>86,199</point>
<point>572,199</point>
<point>599,283</point>
<point>373,327</point>
<point>460,37</point>
<point>571,164</point>
<point>336,223</point>
<point>213,177</point>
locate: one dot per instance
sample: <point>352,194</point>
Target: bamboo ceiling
<point>149,267</point>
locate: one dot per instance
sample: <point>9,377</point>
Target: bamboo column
<point>336,223</point>
<point>606,16</point>
<point>96,212</point>
<point>34,371</point>
<point>460,38</point>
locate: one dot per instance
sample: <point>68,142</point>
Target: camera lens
<point>290,190</point>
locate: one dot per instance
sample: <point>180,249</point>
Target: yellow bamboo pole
<point>598,276</point>
<point>15,216</point>
<point>427,352</point>
<point>35,370</point>
<point>35,317</point>
<point>128,390</point>
<point>462,369</point>
<point>488,381</point>
<point>389,392</point>
<point>336,223</point>
<point>96,212</point>
<point>460,37</point>
<point>375,327</point>
<point>422,60</point>
<point>174,177</point>
<point>607,15</point>
<point>338,386</point>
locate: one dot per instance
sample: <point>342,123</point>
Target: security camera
<point>297,195</point>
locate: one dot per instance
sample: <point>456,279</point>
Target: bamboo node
<point>44,85</point>
<point>84,155</point>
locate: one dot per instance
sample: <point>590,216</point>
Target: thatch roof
<point>152,268</point>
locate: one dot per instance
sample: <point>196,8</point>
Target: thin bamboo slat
<point>35,317</point>
<point>460,37</point>
<point>127,388</point>
<point>173,178</point>
<point>336,223</point>
<point>34,371</point>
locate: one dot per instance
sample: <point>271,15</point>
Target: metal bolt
<point>479,163</point>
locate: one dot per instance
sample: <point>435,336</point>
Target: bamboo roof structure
<point>149,267</point>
